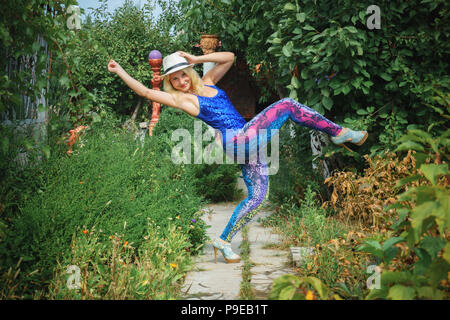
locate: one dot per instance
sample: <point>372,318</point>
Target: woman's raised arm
<point>154,95</point>
<point>223,60</point>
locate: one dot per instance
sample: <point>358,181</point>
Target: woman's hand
<point>157,78</point>
<point>189,57</point>
<point>114,66</point>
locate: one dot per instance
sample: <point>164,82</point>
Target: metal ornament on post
<point>155,61</point>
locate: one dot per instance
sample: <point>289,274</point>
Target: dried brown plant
<point>363,198</point>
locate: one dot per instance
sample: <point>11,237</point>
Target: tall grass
<point>110,183</point>
<point>112,269</point>
<point>334,259</point>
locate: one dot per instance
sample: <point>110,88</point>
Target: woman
<point>200,98</point>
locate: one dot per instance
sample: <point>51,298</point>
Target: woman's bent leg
<point>258,132</point>
<point>252,137</point>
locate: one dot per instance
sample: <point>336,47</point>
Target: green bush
<point>308,224</point>
<point>110,182</point>
<point>82,88</point>
<point>377,79</point>
<point>295,174</point>
<point>416,254</point>
<point>217,182</point>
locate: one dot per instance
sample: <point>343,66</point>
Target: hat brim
<point>177,69</point>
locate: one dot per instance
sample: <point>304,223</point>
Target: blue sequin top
<point>219,113</point>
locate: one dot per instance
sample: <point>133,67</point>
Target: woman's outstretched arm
<point>223,60</point>
<point>154,95</point>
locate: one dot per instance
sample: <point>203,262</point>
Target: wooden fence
<point>26,119</point>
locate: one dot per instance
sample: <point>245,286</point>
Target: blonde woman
<point>200,98</point>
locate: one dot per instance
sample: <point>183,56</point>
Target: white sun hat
<point>173,63</point>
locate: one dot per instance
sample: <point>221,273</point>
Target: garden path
<point>222,281</point>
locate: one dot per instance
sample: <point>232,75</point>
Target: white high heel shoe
<point>225,248</point>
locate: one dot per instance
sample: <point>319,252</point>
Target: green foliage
<point>204,17</point>
<point>110,183</point>
<point>27,24</point>
<point>217,182</point>
<point>326,57</point>
<point>19,30</point>
<point>386,252</point>
<point>72,75</point>
<point>246,292</point>
<point>422,225</point>
<point>127,35</point>
<point>17,181</point>
<point>308,224</point>
<point>295,174</point>
<point>290,287</point>
<point>426,146</point>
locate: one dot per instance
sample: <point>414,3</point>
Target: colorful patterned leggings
<point>255,172</point>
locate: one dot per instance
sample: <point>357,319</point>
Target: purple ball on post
<point>155,54</point>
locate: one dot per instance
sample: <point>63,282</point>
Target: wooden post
<point>155,61</point>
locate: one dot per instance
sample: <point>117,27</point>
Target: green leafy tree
<point>126,35</point>
<point>324,55</point>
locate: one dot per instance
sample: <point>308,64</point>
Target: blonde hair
<point>196,83</point>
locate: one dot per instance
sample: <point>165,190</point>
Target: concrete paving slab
<point>270,263</point>
<point>218,280</point>
<point>222,281</point>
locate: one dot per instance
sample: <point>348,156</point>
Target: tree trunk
<point>136,110</point>
<point>319,140</point>
<point>130,124</point>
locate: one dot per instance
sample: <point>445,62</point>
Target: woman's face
<point>180,81</point>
